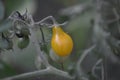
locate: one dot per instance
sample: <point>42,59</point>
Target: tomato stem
<point>42,34</point>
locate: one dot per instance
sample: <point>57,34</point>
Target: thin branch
<point>49,70</point>
<point>82,57</point>
<point>41,21</point>
<point>102,72</point>
<point>42,34</point>
<point>61,73</point>
<point>95,67</point>
<point>27,75</point>
<point>55,23</point>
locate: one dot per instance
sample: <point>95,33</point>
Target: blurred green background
<point>79,27</point>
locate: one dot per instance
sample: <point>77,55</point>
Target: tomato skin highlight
<point>61,42</point>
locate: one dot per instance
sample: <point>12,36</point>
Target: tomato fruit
<point>61,42</point>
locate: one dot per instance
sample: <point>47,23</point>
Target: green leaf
<point>80,29</point>
<point>24,42</point>
<point>9,6</point>
<point>7,24</point>
<point>44,47</point>
<point>2,10</point>
<point>6,70</point>
<point>5,42</point>
<point>10,45</point>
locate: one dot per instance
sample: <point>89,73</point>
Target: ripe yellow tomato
<point>61,42</point>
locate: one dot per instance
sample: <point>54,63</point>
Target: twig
<point>49,70</point>
<point>42,34</point>
<point>41,21</point>
<point>95,67</point>
<point>82,57</point>
<point>55,23</point>
<point>102,72</point>
<point>26,75</point>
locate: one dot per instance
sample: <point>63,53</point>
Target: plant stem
<point>102,72</point>
<point>49,70</point>
<point>81,59</point>
<point>27,75</point>
<point>42,34</point>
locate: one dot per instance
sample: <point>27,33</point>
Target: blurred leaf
<point>10,45</point>
<point>2,10</point>
<point>5,25</point>
<point>6,70</point>
<point>114,45</point>
<point>5,43</point>
<point>11,7</point>
<point>80,29</point>
<point>63,18</point>
<point>24,42</point>
<point>19,5</point>
<point>91,77</point>
<point>73,2</point>
<point>84,1</point>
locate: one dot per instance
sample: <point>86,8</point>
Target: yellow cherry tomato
<point>61,42</point>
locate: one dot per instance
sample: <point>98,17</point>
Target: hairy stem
<point>42,34</point>
<point>49,70</point>
<point>81,59</point>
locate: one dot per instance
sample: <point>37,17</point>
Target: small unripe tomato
<point>61,42</point>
